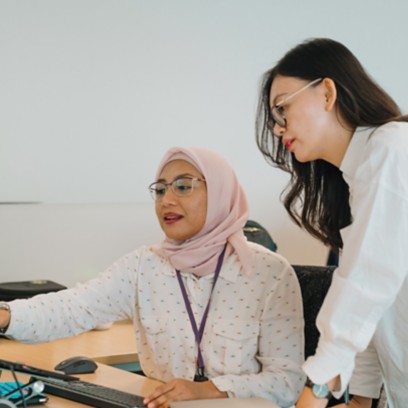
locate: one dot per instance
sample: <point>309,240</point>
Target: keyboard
<point>39,373</point>
<point>92,394</point>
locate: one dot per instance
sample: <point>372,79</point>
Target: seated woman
<point>214,315</point>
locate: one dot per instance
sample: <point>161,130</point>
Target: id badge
<point>199,376</point>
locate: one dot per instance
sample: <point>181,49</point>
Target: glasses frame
<point>171,185</point>
<point>281,119</point>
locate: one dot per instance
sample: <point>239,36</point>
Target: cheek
<point>308,124</point>
<point>200,207</point>
<point>157,210</point>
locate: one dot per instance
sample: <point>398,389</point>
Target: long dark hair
<point>317,197</point>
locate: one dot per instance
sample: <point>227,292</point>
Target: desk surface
<point>113,346</point>
<point>116,345</point>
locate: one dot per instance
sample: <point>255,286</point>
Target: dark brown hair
<point>317,197</point>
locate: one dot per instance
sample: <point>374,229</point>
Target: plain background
<point>93,92</point>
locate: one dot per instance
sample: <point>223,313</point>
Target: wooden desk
<point>114,346</point>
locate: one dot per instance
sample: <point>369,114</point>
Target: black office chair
<point>255,232</point>
<point>26,289</point>
<point>314,283</point>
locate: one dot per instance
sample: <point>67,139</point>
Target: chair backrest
<point>255,232</point>
<point>26,289</point>
<point>314,283</point>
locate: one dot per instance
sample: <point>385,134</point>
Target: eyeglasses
<point>181,187</point>
<point>278,117</point>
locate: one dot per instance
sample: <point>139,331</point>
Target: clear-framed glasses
<point>181,187</point>
<point>277,115</point>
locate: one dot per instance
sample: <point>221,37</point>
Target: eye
<point>159,189</point>
<point>183,185</point>
<point>280,109</point>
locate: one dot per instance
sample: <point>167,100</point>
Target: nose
<point>169,197</point>
<point>278,130</point>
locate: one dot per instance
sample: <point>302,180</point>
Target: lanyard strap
<point>198,333</point>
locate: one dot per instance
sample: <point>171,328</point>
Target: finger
<point>159,391</point>
<point>159,402</point>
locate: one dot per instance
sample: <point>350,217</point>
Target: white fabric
<point>253,340</point>
<point>368,297</point>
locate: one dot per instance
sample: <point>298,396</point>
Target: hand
<point>308,400</point>
<point>181,390</point>
<point>4,318</point>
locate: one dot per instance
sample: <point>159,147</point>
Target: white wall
<point>92,92</point>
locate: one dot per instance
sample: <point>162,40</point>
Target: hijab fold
<point>227,213</point>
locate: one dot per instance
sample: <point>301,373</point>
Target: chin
<point>304,158</point>
<point>177,237</point>
<point>301,159</point>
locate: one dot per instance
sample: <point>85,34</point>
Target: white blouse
<point>253,339</point>
<point>368,298</point>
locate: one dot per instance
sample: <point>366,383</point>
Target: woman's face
<point>182,217</point>
<point>307,117</point>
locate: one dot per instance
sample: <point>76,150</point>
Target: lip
<point>288,143</point>
<point>171,218</point>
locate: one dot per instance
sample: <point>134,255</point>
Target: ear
<point>330,93</point>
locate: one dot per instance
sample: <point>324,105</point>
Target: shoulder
<point>382,151</point>
<point>140,259</point>
<point>268,262</point>
<point>391,137</point>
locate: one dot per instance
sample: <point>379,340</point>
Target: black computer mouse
<point>77,365</point>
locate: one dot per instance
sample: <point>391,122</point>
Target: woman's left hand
<point>308,400</point>
<point>181,390</point>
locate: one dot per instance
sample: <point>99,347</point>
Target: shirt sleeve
<point>372,267</point>
<point>107,298</point>
<point>280,353</point>
<point>366,380</point>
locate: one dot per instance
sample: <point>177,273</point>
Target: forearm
<point>282,388</point>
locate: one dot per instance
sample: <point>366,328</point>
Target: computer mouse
<point>77,365</point>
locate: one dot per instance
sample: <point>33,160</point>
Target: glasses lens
<point>157,190</point>
<point>277,116</point>
<point>183,186</point>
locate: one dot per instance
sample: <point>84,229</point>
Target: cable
<point>6,404</point>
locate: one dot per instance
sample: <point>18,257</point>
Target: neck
<point>338,146</point>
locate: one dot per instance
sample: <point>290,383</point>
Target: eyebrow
<point>163,180</point>
<point>279,97</point>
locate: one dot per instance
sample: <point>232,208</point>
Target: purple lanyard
<point>198,333</point>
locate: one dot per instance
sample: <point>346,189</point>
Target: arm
<point>66,313</point>
<point>365,383</point>
<point>182,390</point>
<point>372,268</point>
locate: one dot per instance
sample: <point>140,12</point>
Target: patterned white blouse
<point>253,340</point>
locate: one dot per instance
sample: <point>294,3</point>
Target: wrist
<point>308,400</point>
<point>216,393</point>
<point>321,391</point>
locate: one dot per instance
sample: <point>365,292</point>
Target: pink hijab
<point>227,213</point>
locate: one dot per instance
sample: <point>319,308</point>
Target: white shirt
<point>253,340</point>
<point>368,298</point>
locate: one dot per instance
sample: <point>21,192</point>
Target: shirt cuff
<point>224,385</point>
<point>328,363</point>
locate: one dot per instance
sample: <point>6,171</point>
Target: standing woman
<point>344,142</point>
